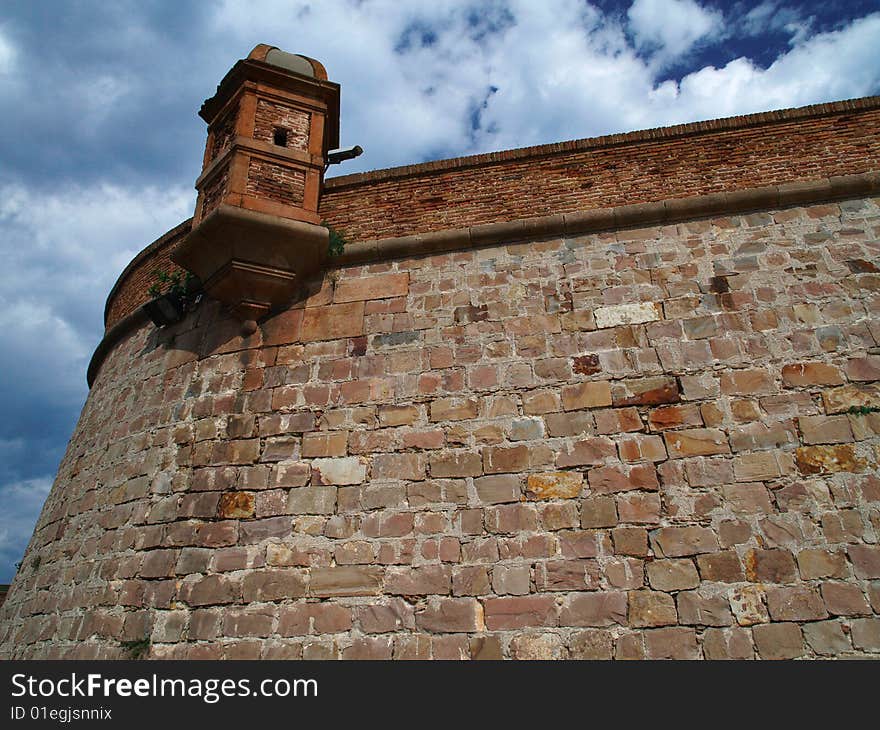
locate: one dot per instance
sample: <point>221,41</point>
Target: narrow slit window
<point>280,137</point>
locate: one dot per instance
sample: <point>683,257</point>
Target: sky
<point>101,142</point>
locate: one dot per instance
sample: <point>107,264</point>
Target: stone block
<point>554,485</point>
<point>672,575</point>
<point>333,322</point>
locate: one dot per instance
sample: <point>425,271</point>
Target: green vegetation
<point>138,648</point>
<point>176,283</point>
<point>337,240</point>
<point>863,410</point>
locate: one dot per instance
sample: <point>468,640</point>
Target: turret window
<point>279,136</point>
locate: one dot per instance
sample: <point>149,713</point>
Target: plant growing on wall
<point>175,283</point>
<point>173,295</point>
<point>138,648</point>
<point>337,242</point>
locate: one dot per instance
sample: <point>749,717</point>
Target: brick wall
<point>272,115</point>
<point>675,162</point>
<point>224,133</point>
<point>614,445</point>
<point>213,192</point>
<point>275,182</point>
<point>691,159</point>
<point>132,288</point>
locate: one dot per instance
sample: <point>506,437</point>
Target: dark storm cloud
<point>104,90</point>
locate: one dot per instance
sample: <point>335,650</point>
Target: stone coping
<point>673,210</point>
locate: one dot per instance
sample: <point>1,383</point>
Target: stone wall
<point>615,445</point>
<point>717,156</point>
<point>721,156</point>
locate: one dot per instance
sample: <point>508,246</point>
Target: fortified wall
<point>611,398</point>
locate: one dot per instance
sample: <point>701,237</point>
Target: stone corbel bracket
<point>253,262</point>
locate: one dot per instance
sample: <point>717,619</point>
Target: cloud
<point>670,28</point>
<point>22,503</point>
<point>772,16</point>
<point>7,54</point>
<point>62,254</point>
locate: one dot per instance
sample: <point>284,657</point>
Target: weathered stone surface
<point>806,374</point>
<point>674,542</point>
<point>840,400</point>
<point>456,464</point>
<point>651,608</point>
<point>361,289</point>
<point>865,560</point>
<point>844,599</point>
<point>721,567</point>
<point>779,641</point>
<point>748,604</point>
<point>609,479</point>
<point>866,634</point>
<point>795,603</point>
<point>816,563</point>
<point>236,505</point>
<point>732,643</point>
<point>826,638</point>
<point>598,512</point>
<point>828,459</point>
<point>770,566</point>
<point>537,647</point>
<point>554,485</point>
<point>586,395</point>
<point>333,321</point>
<point>273,585</point>
<point>498,488</point>
<point>620,314</point>
<point>603,608</point>
<point>349,470</point>
<point>511,580</point>
<point>587,451</point>
<point>672,575</point>
<point>645,392</point>
<point>345,581</point>
<point>671,643</point>
<point>451,615</point>
<point>504,614</point>
<point>454,409</point>
<point>451,455</point>
<point>591,644</point>
<point>696,442</point>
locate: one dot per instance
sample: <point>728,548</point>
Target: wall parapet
<point>454,200</point>
<point>673,210</point>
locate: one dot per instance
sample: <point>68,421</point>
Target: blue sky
<point>101,142</point>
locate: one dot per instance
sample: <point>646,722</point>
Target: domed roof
<point>294,62</point>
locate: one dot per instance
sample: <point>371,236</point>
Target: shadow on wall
<point>209,329</point>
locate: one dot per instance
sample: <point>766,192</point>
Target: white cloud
<point>836,65</point>
<point>22,503</point>
<point>671,27</point>
<point>7,54</point>
<point>63,252</point>
<point>772,15</point>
